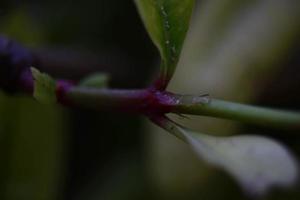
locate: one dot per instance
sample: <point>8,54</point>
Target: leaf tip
<point>44,87</point>
<point>258,163</point>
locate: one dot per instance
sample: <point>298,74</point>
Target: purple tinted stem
<point>146,101</point>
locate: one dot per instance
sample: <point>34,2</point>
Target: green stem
<point>99,99</point>
<point>150,102</point>
<point>245,113</point>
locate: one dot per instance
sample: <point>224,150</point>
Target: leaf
<point>98,80</point>
<point>257,163</point>
<point>44,87</point>
<point>167,22</point>
<point>226,43</point>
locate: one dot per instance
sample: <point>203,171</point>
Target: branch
<point>16,76</point>
<point>267,117</point>
<point>156,103</point>
<point>145,101</point>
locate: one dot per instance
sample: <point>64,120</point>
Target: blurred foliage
<point>32,154</point>
<point>238,50</point>
<point>32,135</point>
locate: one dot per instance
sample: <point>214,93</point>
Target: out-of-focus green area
<point>246,51</point>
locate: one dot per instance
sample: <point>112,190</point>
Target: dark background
<point>60,153</point>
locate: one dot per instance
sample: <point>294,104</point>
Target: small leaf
<point>44,87</point>
<point>167,22</point>
<point>257,163</point>
<point>98,80</point>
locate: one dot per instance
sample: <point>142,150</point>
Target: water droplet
<point>163,11</point>
<point>167,25</point>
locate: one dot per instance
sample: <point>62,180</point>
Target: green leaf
<point>44,87</point>
<point>257,163</point>
<point>167,22</point>
<point>98,80</point>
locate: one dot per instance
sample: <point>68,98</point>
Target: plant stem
<point>106,98</point>
<point>235,111</point>
<point>153,103</point>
